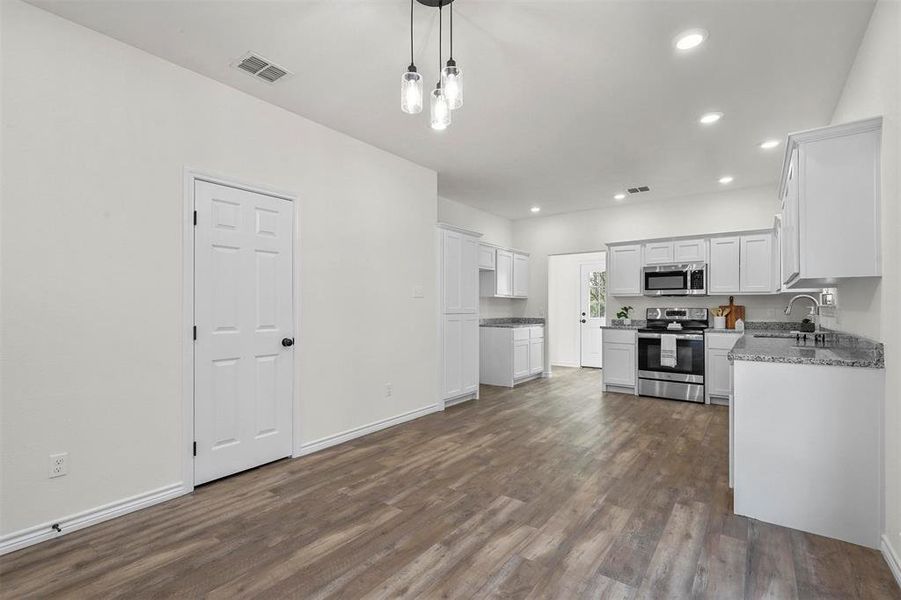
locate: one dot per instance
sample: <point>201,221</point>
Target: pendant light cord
<point>411,33</point>
<point>451,31</point>
<point>440,28</point>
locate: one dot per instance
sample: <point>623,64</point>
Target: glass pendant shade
<point>411,92</point>
<point>452,84</point>
<point>441,112</point>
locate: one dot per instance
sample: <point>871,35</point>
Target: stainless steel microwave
<point>675,280</point>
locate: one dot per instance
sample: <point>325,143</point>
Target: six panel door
<point>244,314</point>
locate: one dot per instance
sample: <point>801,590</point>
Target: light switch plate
<point>418,292</point>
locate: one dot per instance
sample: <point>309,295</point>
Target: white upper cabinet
<point>756,268</point>
<point>831,204</point>
<point>509,278</point>
<point>690,251</point>
<point>658,253</point>
<point>459,272</point>
<point>504,273</point>
<point>487,256</point>
<point>624,270</point>
<point>724,267</point>
<point>520,275</point>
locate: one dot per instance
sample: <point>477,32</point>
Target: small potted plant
<point>624,315</point>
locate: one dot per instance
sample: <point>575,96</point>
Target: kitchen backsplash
<point>757,308</point>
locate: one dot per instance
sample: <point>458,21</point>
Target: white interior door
<point>244,317</point>
<point>593,291</point>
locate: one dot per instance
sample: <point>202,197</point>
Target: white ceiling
<point>567,102</point>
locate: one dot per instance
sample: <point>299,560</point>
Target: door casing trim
<point>192,175</point>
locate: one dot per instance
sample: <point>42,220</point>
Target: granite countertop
<point>511,322</point>
<point>842,350</point>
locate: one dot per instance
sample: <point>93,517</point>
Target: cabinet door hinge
<point>195,448</point>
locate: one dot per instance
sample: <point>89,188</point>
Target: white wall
<point>564,332</point>
<point>586,231</point>
<point>494,230</point>
<point>873,88</point>
<point>95,138</point>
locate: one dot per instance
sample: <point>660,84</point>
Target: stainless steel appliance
<point>675,280</point>
<point>685,380</point>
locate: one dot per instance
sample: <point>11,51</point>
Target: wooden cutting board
<point>736,312</point>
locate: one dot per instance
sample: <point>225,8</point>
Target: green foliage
<point>624,312</point>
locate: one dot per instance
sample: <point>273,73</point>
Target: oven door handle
<point>679,336</point>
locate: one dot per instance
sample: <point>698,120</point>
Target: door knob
<point>583,314</point>
<point>582,320</point>
<point>287,342</point>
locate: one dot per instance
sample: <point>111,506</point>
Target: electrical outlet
<point>388,390</point>
<point>418,291</point>
<point>59,464</point>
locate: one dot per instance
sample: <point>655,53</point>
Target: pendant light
<point>440,108</point>
<point>411,81</point>
<point>448,93</point>
<point>451,75</point>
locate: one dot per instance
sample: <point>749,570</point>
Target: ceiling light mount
<point>434,3</point>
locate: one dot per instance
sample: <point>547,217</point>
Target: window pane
<point>594,309</point>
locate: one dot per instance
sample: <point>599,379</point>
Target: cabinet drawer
<point>520,333</point>
<point>619,336</point>
<point>536,332</point>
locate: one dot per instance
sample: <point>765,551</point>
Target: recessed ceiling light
<point>769,144</point>
<point>726,179</point>
<point>536,209</point>
<point>709,118</point>
<point>619,197</point>
<point>690,39</point>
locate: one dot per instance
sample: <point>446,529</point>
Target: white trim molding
<point>39,533</point>
<point>357,432</point>
<point>894,563</point>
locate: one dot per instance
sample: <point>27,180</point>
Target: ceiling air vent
<point>638,190</point>
<point>260,67</point>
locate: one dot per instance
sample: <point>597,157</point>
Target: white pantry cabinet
<point>619,352</point>
<point>459,272</point>
<point>510,355</point>
<point>624,270</point>
<point>459,281</point>
<point>831,204</point>
<point>487,257</point>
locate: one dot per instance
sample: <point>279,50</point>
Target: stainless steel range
<point>671,354</point>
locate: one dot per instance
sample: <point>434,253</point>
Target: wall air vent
<point>638,190</point>
<point>260,67</point>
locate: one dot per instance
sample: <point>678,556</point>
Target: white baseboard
<point>356,432</point>
<point>891,557</point>
<point>563,363</point>
<point>39,533</point>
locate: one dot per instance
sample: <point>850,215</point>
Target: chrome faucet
<point>814,310</point>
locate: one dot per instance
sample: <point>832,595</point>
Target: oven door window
<point>663,281</point>
<point>689,356</point>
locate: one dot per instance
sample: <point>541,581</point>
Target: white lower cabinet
<point>717,368</point>
<point>509,355</point>
<point>460,349</point>
<point>619,349</point>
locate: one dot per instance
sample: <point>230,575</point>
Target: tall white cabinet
<point>459,282</point>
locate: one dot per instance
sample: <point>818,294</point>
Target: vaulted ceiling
<point>567,102</point>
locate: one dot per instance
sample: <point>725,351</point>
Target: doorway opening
<point>577,286</point>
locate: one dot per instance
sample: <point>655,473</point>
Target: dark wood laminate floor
<point>551,490</point>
